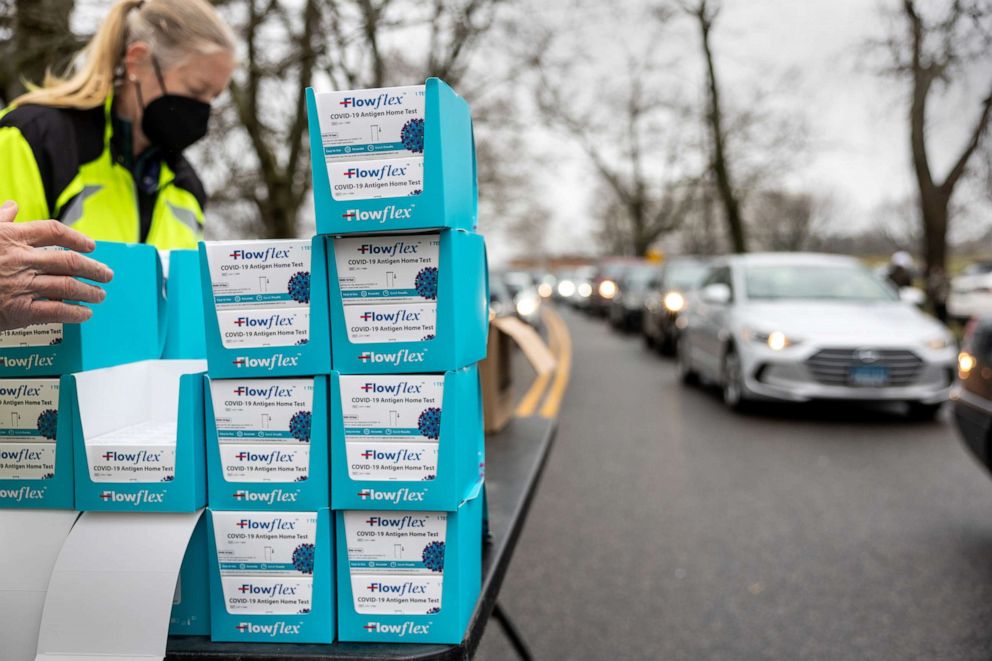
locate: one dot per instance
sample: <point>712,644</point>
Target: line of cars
<point>777,327</point>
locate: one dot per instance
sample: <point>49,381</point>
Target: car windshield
<point>814,282</point>
<point>684,275</point>
<point>637,279</point>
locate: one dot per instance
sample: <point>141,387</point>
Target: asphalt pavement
<point>667,527</point>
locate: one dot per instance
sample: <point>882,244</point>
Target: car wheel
<point>686,373</point>
<point>648,340</point>
<point>732,381</point>
<point>923,412</point>
<point>668,345</point>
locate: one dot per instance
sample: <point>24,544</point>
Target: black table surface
<point>515,458</point>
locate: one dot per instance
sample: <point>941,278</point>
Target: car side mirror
<point>718,293</point>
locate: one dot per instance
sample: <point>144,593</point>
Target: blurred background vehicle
<point>971,293</point>
<point>627,305</point>
<point>666,298</point>
<point>582,293</point>
<point>972,396</point>
<point>605,283</point>
<point>526,301</point>
<point>500,298</point>
<point>803,326</point>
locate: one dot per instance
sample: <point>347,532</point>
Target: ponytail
<point>173,29</point>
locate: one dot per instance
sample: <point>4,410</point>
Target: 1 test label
<point>395,269</point>
<point>371,123</point>
<point>256,274</point>
<point>366,180</point>
<point>269,411</point>
<point>39,335</point>
<point>29,409</point>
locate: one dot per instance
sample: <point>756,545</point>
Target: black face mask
<point>173,122</point>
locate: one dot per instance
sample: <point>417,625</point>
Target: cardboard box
<point>449,195</point>
<point>413,303</point>
<point>281,331</point>
<point>271,576</point>
<point>128,326</point>
<point>416,583</point>
<point>138,437</point>
<point>498,397</point>
<point>406,441</point>
<point>268,457</point>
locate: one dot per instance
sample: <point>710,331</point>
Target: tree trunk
<point>42,40</point>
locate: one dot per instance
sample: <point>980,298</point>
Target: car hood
<point>880,324</point>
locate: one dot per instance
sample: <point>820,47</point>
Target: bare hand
<point>35,283</point>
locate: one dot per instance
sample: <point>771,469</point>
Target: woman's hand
<point>35,283</point>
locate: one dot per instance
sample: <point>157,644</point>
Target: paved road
<point>670,528</point>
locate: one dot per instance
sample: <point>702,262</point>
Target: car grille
<point>833,366</point>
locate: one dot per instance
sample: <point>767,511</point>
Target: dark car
<point>666,299</point>
<point>605,284</point>
<point>972,396</point>
<point>628,303</point>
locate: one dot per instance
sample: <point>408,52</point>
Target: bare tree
<point>930,52</point>
<point>36,38</point>
<point>705,13</point>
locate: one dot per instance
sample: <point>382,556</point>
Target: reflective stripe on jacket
<point>66,164</point>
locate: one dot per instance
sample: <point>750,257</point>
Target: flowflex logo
<point>269,253</point>
<point>20,392</point>
<point>398,523</point>
<point>400,629</point>
<point>379,101</point>
<point>379,174</point>
<point>397,589</point>
<point>266,458</point>
<point>22,493</point>
<point>133,458</point>
<point>267,497</point>
<point>403,495</point>
<point>277,590</point>
<point>267,363</point>
<point>387,213</point>
<point>268,321</point>
<point>393,249</point>
<point>136,499</point>
<point>401,388</point>
<point>271,525</point>
<point>273,391</point>
<point>393,456</point>
<point>399,358</point>
<point>20,456</point>
<point>401,316</point>
<point>272,629</point>
<point>29,362</point>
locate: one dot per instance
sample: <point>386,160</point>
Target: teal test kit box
<point>265,307</point>
<point>36,444</point>
<point>128,326</point>
<point>392,159</point>
<point>408,576</point>
<point>408,440</point>
<point>271,576</point>
<point>267,443</point>
<point>184,336</point>
<point>407,303</point>
<point>138,437</point>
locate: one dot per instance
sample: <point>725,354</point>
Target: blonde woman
<point>101,152</point>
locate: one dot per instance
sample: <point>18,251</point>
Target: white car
<point>801,327</point>
<point>971,293</point>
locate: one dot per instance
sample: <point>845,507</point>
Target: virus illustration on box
<point>57,340</point>
<point>416,191</point>
<point>48,476</point>
<point>303,558</point>
<point>426,282</point>
<point>412,136</point>
<point>303,611</point>
<point>427,338</point>
<point>434,611</point>
<point>301,478</point>
<point>168,478</point>
<point>299,426</point>
<point>427,478</point>
<point>433,556</point>
<point>299,287</point>
<point>303,341</point>
<point>48,423</point>
<point>429,422</point>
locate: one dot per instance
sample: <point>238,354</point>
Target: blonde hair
<point>173,30</point>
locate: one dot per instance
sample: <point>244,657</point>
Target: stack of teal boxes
<point>270,535</point>
<point>395,196</point>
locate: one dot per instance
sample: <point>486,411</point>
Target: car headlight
<point>585,290</point>
<point>938,343</point>
<point>774,340</point>
<point>607,289</point>
<point>527,305</point>
<point>545,290</point>
<point>966,363</point>
<point>674,301</point>
<point>566,288</point>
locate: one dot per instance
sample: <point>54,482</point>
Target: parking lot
<point>669,527</point>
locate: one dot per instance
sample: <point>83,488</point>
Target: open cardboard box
<point>496,370</point>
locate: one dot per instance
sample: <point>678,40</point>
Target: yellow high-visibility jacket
<point>67,164</point>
